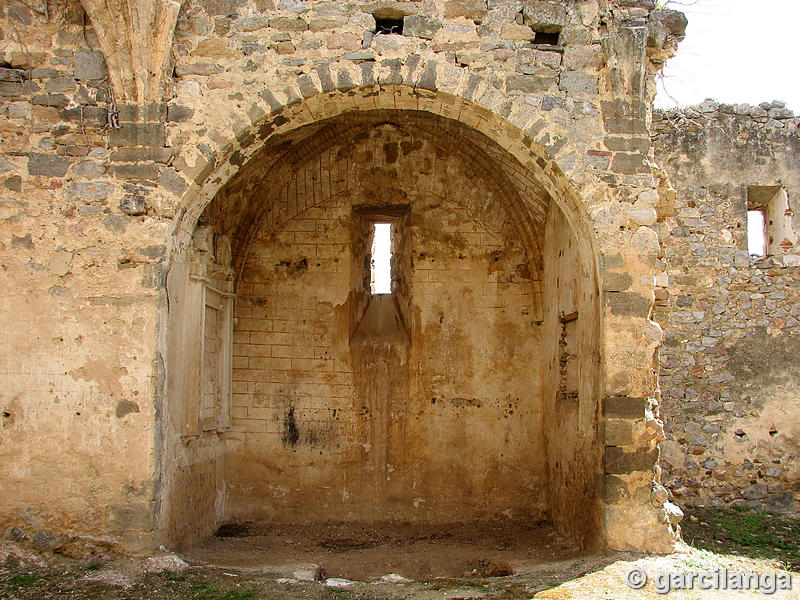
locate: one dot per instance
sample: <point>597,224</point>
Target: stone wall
<point>730,393</point>
<point>116,141</point>
<point>315,420</point>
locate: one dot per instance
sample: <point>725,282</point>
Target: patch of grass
<point>205,591</point>
<point>747,532</point>
<point>25,580</point>
<point>173,576</point>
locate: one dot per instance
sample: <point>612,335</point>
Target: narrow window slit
<point>756,238</point>
<point>381,264</point>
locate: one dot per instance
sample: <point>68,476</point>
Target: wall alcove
<point>469,392</point>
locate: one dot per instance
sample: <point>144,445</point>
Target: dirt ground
<point>366,551</point>
<point>494,561</point>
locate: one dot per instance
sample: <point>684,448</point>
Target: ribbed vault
<point>251,203</point>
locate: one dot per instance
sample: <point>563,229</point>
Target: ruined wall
<point>108,163</point>
<point>730,395</point>
<point>82,295</point>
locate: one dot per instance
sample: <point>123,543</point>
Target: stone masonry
<point>728,378</point>
<point>187,194</point>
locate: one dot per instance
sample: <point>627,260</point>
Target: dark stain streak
<point>291,435</point>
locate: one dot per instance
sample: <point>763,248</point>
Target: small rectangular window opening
<point>386,26</point>
<point>756,233</point>
<point>546,37</point>
<point>381,263</point>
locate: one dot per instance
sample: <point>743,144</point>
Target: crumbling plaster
<point>106,185</point>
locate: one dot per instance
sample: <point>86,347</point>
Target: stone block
<point>95,116</point>
<point>474,10</point>
<point>309,573</point>
<point>755,492</point>
<point>142,154</point>
<point>617,461</point>
<point>252,22</point>
<point>674,20</point>
<point>90,65</point>
<point>55,100</point>
<point>145,171</point>
<point>578,83</point>
<point>619,433</point>
<point>93,191</point>
<point>48,165</point>
<point>60,84</point>
<point>420,26</point>
<point>205,69</point>
<point>616,282</point>
<point>544,16</point>
<point>623,125</point>
<point>615,489</point>
<point>288,24</point>
<point>89,169</point>
<point>138,134</point>
<point>627,304</point>
<point>629,164</point>
<point>551,102</point>
<point>154,112</point>
<point>169,563</point>
<point>172,181</point>
<point>132,206</point>
<point>632,144</point>
<point>530,84</point>
<point>46,541</point>
<point>624,407</point>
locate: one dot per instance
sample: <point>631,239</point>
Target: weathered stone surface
<point>309,573</point>
<point>288,24</point>
<point>629,164</point>
<point>168,563</point>
<point>674,20</point>
<point>134,171</point>
<point>92,192</point>
<point>529,83</point>
<point>628,304</point>
<point>142,154</point>
<point>545,16</point>
<point>578,83</point>
<point>241,175</point>
<point>14,557</point>
<point>45,164</point>
<point>624,407</point>
<point>90,65</point>
<point>138,134</point>
<point>16,534</point>
<point>46,541</point>
<point>421,26</point>
<point>133,206</point>
<point>618,461</point>
<point>719,366</point>
<point>179,114</point>
<point>110,578</point>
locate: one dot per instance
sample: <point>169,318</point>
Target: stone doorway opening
<point>468,394</point>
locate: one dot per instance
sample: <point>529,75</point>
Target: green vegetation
<point>205,591</point>
<point>757,534</point>
<point>24,580</point>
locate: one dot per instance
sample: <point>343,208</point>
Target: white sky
<point>382,259</point>
<point>736,51</point>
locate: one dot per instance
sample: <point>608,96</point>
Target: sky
<point>735,51</point>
